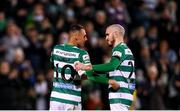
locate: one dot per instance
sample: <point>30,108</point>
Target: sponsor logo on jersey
<point>117,53</point>
<point>63,85</point>
<point>66,53</point>
<point>85,57</point>
<point>128,52</point>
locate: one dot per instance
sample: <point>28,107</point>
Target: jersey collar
<point>70,45</point>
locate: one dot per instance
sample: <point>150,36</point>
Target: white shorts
<point>118,107</point>
<point>63,106</point>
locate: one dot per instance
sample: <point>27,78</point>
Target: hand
<point>78,65</point>
<point>114,84</point>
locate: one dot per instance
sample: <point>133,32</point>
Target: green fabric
<point>111,66</point>
<point>64,101</point>
<point>100,79</point>
<point>2,24</point>
<point>89,73</point>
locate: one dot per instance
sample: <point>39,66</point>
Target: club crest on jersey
<point>85,57</point>
<point>117,53</point>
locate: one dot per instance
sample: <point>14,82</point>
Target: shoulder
<point>59,46</point>
<point>127,51</point>
<point>84,55</point>
<point>83,52</point>
<point>120,48</point>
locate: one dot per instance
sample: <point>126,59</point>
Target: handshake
<point>79,67</point>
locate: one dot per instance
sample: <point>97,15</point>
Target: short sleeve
<point>118,52</point>
<point>85,58</point>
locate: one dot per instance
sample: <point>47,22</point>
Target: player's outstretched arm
<point>112,65</point>
<point>102,79</point>
<point>114,84</point>
<point>99,79</point>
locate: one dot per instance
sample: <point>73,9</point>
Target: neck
<point>71,42</point>
<point>117,42</point>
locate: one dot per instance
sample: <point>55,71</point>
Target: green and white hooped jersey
<point>64,91</point>
<point>126,68</point>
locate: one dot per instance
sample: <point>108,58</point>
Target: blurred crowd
<point>30,28</point>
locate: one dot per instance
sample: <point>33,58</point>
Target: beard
<point>110,43</point>
<point>80,45</point>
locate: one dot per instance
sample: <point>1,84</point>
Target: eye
<point>106,34</point>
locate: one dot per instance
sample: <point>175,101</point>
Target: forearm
<point>112,65</point>
<point>87,67</point>
<point>99,79</point>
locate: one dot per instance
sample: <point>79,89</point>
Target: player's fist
<point>114,84</point>
<point>78,65</point>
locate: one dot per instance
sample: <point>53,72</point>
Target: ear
<point>76,36</point>
<point>115,34</point>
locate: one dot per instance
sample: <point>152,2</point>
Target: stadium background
<point>30,28</point>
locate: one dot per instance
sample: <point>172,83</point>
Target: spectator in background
<point>36,16</point>
<point>61,6</point>
<point>7,95</point>
<point>12,40</point>
<point>46,49</point>
<point>100,21</point>
<point>166,53</point>
<point>174,87</point>
<point>137,41</point>
<point>48,43</point>
<point>70,16</point>
<point>150,4</point>
<point>38,13</point>
<point>46,26</point>
<point>27,98</point>
<point>78,6</point>
<point>140,14</point>
<point>166,57</point>
<point>176,84</point>
<point>21,15</point>
<point>35,51</point>
<point>41,91</point>
<point>60,25</point>
<point>152,36</point>
<point>118,13</point>
<point>153,93</point>
<point>164,23</point>
<point>145,54</point>
<point>49,79</point>
<point>63,38</point>
<point>91,33</point>
<point>172,10</point>
<point>3,22</point>
<point>93,43</point>
<point>19,61</point>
